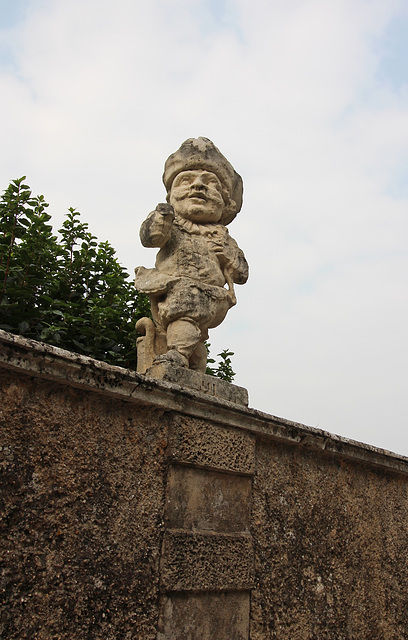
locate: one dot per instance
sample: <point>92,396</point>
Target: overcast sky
<point>308,99</point>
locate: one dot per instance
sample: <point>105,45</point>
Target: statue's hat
<point>201,153</point>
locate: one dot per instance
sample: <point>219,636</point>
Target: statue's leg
<point>183,336</point>
<point>198,359</point>
<point>145,344</point>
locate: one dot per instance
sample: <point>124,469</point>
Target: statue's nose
<point>198,183</point>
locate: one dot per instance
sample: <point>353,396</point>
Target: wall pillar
<point>207,564</point>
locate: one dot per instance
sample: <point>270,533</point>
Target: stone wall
<point>134,508</point>
<point>331,547</point>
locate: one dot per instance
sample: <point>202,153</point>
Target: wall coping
<point>44,361</point>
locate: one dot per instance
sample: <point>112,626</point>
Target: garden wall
<point>137,508</point>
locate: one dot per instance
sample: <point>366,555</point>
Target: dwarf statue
<point>192,286</point>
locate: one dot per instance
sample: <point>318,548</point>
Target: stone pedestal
<point>188,379</point>
<point>207,563</point>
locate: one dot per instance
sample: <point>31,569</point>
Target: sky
<point>308,100</point>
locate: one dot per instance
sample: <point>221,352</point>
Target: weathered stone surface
<point>331,543</point>
<point>206,562</point>
<point>83,488</point>
<point>191,288</point>
<point>81,504</point>
<point>212,446</point>
<point>205,616</point>
<point>203,500</point>
<point>210,385</point>
<point>51,363</point>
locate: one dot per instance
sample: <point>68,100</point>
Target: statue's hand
<point>166,210</point>
<point>156,229</point>
<point>230,257</point>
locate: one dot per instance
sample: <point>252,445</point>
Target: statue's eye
<point>213,182</point>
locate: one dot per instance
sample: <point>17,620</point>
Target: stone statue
<point>191,287</point>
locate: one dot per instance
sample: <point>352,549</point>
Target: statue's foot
<point>174,357</point>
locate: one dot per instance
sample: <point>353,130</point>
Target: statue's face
<point>197,196</point>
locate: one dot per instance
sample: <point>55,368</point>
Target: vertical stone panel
<point>213,446</point>
<point>194,561</point>
<point>207,564</point>
<point>212,616</point>
<point>204,500</point>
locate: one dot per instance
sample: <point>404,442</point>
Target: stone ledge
<point>51,363</point>
<point>194,561</point>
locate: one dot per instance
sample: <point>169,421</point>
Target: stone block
<point>212,446</point>
<point>207,500</point>
<point>204,562</point>
<point>209,385</point>
<point>205,616</point>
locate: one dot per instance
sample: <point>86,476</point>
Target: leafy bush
<point>71,292</point>
<point>224,368</point>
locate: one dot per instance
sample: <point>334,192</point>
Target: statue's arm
<point>236,262</point>
<point>241,272</point>
<point>156,229</point>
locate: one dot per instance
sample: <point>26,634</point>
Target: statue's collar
<point>206,229</point>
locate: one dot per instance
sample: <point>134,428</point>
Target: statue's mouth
<point>198,195</point>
